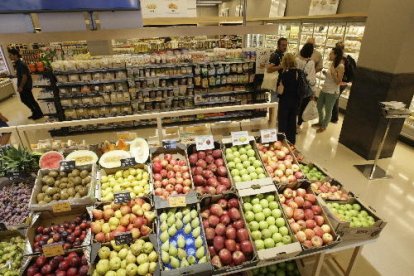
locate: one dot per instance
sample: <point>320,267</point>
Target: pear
<point>203,260</point>
<point>179,224</point>
<point>195,223</point>
<point>179,215</point>
<point>186,218</point>
<point>198,242</point>
<point>196,232</point>
<point>194,214</point>
<point>164,226</point>
<point>182,255</point>
<point>165,246</point>
<point>143,269</point>
<point>165,257</point>
<point>152,267</point>
<point>172,230</point>
<point>164,236</point>
<point>200,253</point>
<point>187,229</point>
<point>171,221</point>
<point>185,211</point>
<point>184,263</point>
<point>191,260</point>
<point>175,263</point>
<point>163,217</point>
<point>181,241</point>
<point>172,251</point>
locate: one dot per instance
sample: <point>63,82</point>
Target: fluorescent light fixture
<point>209,2</point>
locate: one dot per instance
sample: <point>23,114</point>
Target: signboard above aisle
<point>323,7</point>
<point>168,8</point>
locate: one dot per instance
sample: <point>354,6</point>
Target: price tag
<point>177,201</point>
<point>268,135</point>
<point>53,249</point>
<point>240,138</point>
<point>3,226</point>
<point>169,144</point>
<point>122,197</point>
<point>124,238</point>
<point>61,207</point>
<point>14,175</point>
<point>68,165</point>
<point>128,162</point>
<point>204,142</point>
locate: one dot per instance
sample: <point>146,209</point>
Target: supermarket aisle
<point>393,198</point>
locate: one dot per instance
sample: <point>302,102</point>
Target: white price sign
<point>268,135</point>
<point>204,142</point>
<point>240,138</point>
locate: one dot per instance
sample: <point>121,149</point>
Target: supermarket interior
<point>206,137</point>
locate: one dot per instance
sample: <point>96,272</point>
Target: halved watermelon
<point>50,160</point>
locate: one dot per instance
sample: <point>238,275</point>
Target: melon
<point>139,149</point>
<point>112,159</point>
<point>83,157</point>
<point>50,160</point>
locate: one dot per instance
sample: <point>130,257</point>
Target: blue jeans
<point>326,102</point>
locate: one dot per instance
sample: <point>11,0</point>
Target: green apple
<point>259,217</point>
<point>254,225</point>
<point>153,256</point>
<point>130,259</point>
<point>286,239</point>
<point>252,159</point>
<point>266,233</point>
<point>257,208</point>
<point>251,169</point>
<point>237,160</point>
<point>231,165</point>
<point>236,155</point>
<point>249,215</point>
<point>235,172</point>
<point>142,258</point>
<point>246,164</point>
<point>267,212</point>
<point>121,272</point>
<point>230,157</point>
<point>123,253</point>
<point>250,152</point>
<point>263,225</point>
<point>242,151</point>
<point>273,229</point>
<point>262,175</point>
<point>256,235</point>
<point>247,206</point>
<point>104,252</point>
<point>243,172</point>
<point>237,178</point>
<point>255,201</point>
<point>283,230</point>
<point>273,205</point>
<point>244,157</point>
<point>277,237</point>
<point>259,244</point>
<point>229,150</point>
<point>103,266</point>
<point>271,220</point>
<point>269,243</point>
<point>239,166</point>
<point>115,263</point>
<point>143,269</point>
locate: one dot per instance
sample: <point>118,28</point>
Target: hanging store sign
<point>323,7</point>
<point>168,8</point>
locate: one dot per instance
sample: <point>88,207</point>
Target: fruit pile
<point>71,234</point>
<point>305,218</point>
<point>180,238</point>
<point>11,256</point>
<point>59,185</point>
<point>279,163</point>
<point>14,203</point>
<point>171,176</point>
<point>326,190</point>
<point>139,258</point>
<point>227,237</point>
<point>72,264</point>
<point>312,173</point>
<point>135,181</point>
<point>135,216</point>
<point>243,164</point>
<point>209,172</point>
<point>286,269</point>
<point>353,214</point>
<point>266,223</point>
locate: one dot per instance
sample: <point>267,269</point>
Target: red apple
<point>238,257</point>
<point>246,247</point>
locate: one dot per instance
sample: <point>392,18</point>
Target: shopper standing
<point>24,84</point>
<point>330,89</point>
<point>275,61</point>
<point>304,62</point>
<point>316,56</point>
<point>288,98</point>
<point>350,67</point>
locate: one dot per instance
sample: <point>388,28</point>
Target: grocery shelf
<point>217,103</point>
<point>225,93</point>
<point>82,71</point>
<point>165,77</point>
<point>72,106</point>
<point>80,83</point>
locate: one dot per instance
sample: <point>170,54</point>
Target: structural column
<point>385,72</point>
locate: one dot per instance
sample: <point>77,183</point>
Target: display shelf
<point>217,103</point>
<point>42,85</point>
<point>81,83</point>
<point>87,95</point>
<point>164,77</point>
<point>72,106</point>
<point>80,71</point>
<point>225,93</point>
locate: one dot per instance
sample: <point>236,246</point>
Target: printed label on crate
<point>68,165</point>
<point>128,162</point>
<point>169,144</point>
<point>122,197</point>
<point>3,226</point>
<point>268,135</point>
<point>177,201</point>
<point>204,142</point>
<point>124,238</point>
<point>240,138</point>
<point>61,207</point>
<point>53,249</point>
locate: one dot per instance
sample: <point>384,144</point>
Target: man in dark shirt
<point>275,61</point>
<point>24,84</point>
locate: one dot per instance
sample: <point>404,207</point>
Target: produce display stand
<point>21,132</point>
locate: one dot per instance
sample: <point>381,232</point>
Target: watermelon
<point>50,160</point>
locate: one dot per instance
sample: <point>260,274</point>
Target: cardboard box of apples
<point>171,176</point>
<point>229,243</point>
<point>353,220</point>
<point>330,189</point>
<point>307,219</point>
<point>268,226</point>
<point>280,162</point>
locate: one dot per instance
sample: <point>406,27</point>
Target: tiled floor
<point>393,199</point>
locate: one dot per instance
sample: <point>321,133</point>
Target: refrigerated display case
<point>6,88</point>
<point>4,69</point>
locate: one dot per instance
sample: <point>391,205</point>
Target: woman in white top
<point>330,89</point>
<point>305,63</point>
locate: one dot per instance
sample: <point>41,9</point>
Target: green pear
<point>184,263</point>
<point>143,269</point>
<point>198,242</point>
<point>196,232</point>
<point>191,260</point>
<point>187,229</point>
<point>200,253</point>
<point>181,241</point>
<point>175,263</point>
<point>103,266</point>
<point>153,256</point>
<point>142,259</point>
<point>164,236</point>
<point>182,255</point>
<point>148,247</point>
<point>152,267</point>
<point>121,272</point>
<point>172,251</point>
<point>171,221</point>
<point>165,257</point>
<point>195,223</point>
<point>179,224</point>
<point>203,260</point>
<point>135,249</point>
<point>172,230</point>
<point>194,214</point>
<point>164,226</point>
<point>131,269</point>
<point>179,215</point>
<point>130,258</point>
<point>185,211</point>
<point>165,246</point>
<point>187,218</point>
<point>163,217</point>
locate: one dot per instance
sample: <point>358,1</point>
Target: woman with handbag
<point>288,98</point>
<point>330,89</point>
